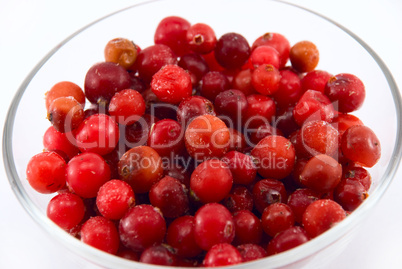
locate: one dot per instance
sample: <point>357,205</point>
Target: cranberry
<point>206,136</point>
<point>172,31</point>
<point>103,80</point>
<point>201,38</point>
<point>359,174</point>
<point>268,191</point>
<point>260,109</point>
<point>195,65</point>
<point>180,235</point>
<point>278,42</point>
<point>241,166</point>
<point>166,137</point>
<point>137,133</point>
<point>289,89</point>
<point>213,225</point>
<point>239,198</point>
<point>350,194</point>
<point>360,144</point>
<point>263,131</point>
<point>343,121</point>
<point>265,79</point>
<point>211,175</point>
<point>232,50</point>
<point>264,55</point>
<point>321,215</point>
<point>237,141</point>
<point>315,80</point>
<point>287,239</point>
<point>46,172</point>
<point>114,198</point>
<point>54,140</point>
<point>192,107</point>
<point>299,200</point>
<point>121,51</point>
<point>140,167</point>
<point>151,59</point>
<point>65,114</point>
<point>156,107</point>
<point>231,104</point>
<point>127,106</point>
<point>65,89</point>
<point>248,228</point>
<point>212,83</point>
<point>67,210</point>
<point>275,157</point>
<point>100,233</point>
<point>159,255</point>
<point>221,255</point>
<point>242,82</point>
<point>276,218</point>
<point>142,227</point>
<point>304,56</point>
<point>251,252</point>
<point>347,92</point>
<point>170,196</point>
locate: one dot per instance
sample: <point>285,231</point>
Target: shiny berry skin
<point>241,166</point>
<point>98,134</point>
<point>264,55</point>
<point>195,65</point>
<point>159,255</point>
<point>268,191</point>
<point>251,252</point>
<point>276,218</point>
<point>206,136</point>
<point>260,109</point>
<point>126,107</point>
<point>232,50</point>
<point>100,233</point>
<point>171,84</point>
<point>299,200</point>
<point>140,167</point>
<point>193,107</point>
<point>54,140</point>
<point>170,196</point>
<point>121,51</point>
<point>304,56</point>
<point>315,80</point>
<point>242,81</point>
<point>321,173</point>
<point>180,236</point>
<point>322,215</point>
<point>343,121</point>
<point>289,91</point>
<point>166,137</point>
<point>237,140</point>
<point>86,173</point>
<point>141,227</point>
<point>213,225</point>
<point>359,174</point>
<point>261,132</point>
<point>201,38</point>
<point>114,198</point>
<point>137,133</point>
<point>222,255</point>
<point>210,175</point>
<point>239,198</point>
<point>285,122</point>
<point>66,210</point>
<point>248,228</point>
<point>313,105</point>
<point>347,92</point>
<point>213,83</point>
<point>46,172</point>
<point>151,59</point>
<point>172,31</point>
<point>64,89</point>
<point>265,79</point>
<point>278,42</point>
<point>231,105</point>
<point>275,157</point>
<point>287,239</point>
<point>360,144</point>
<point>350,194</point>
<point>103,80</point>
<point>317,137</point>
<point>65,114</point>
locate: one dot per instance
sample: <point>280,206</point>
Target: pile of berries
<point>199,151</point>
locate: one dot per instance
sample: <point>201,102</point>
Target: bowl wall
<point>340,52</point>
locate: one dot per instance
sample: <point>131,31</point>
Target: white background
<point>29,29</point>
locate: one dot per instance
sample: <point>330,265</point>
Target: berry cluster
<point>204,151</point>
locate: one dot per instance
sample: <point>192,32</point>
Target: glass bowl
<point>340,52</point>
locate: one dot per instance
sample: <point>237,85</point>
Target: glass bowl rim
<point>288,257</point>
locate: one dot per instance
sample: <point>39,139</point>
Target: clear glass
<point>340,51</point>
